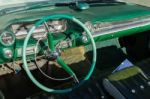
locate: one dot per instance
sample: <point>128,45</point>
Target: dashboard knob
<point>8,53</point>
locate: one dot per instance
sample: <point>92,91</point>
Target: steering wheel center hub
<point>54,55</point>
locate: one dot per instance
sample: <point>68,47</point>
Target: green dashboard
<point>104,22</point>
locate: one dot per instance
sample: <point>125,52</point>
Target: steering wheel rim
<point>25,66</point>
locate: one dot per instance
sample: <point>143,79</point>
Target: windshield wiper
<point>86,4</point>
<point>91,2</point>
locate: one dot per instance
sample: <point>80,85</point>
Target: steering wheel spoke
<point>67,69</point>
<point>51,42</point>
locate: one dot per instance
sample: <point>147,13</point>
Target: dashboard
<point>18,31</point>
<point>14,29</point>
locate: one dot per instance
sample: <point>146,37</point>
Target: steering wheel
<point>56,55</point>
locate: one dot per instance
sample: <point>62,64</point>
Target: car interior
<point>74,49</point>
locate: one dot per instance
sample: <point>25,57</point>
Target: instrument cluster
<point>20,30</point>
<point>55,26</point>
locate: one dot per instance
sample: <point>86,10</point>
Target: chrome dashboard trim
<point>113,27</point>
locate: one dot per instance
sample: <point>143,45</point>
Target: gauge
<point>56,26</point>
<point>7,38</point>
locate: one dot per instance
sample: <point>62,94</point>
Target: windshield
<point>4,3</point>
<point>9,3</point>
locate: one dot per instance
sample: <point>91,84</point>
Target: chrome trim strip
<point>121,26</point>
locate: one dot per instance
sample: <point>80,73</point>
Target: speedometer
<point>7,38</point>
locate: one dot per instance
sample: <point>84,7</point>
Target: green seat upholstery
<point>129,83</point>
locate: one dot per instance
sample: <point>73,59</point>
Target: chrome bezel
<point>61,22</point>
<point>13,38</point>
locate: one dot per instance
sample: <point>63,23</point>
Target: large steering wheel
<point>57,57</point>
